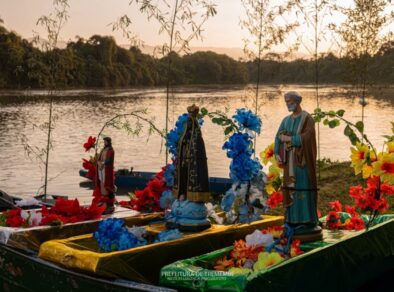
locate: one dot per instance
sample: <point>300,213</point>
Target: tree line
<point>98,62</point>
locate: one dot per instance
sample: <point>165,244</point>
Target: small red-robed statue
<point>105,175</point>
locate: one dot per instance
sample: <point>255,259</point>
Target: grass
<point>335,180</point>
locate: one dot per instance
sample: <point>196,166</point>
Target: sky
<point>88,17</point>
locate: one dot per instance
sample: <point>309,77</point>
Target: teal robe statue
<point>299,180</point>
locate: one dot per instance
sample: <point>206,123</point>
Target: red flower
<point>357,223</point>
<point>387,189</point>
<point>318,213</point>
<point>90,143</point>
<point>336,206</point>
<point>90,167</point>
<point>351,210</point>
<point>275,199</point>
<point>15,221</point>
<point>333,220</point>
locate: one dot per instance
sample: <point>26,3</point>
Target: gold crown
<point>193,110</point>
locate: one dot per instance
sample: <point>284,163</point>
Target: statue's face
<point>105,143</point>
<point>291,104</point>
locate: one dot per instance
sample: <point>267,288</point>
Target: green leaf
<point>341,112</point>
<point>331,113</point>
<point>204,111</point>
<point>217,121</point>
<point>325,122</point>
<point>228,130</point>
<point>348,131</point>
<point>360,126</point>
<point>333,123</point>
<point>317,110</point>
<point>317,119</point>
<point>354,139</point>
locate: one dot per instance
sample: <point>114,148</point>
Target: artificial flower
<point>266,260</point>
<point>358,156</point>
<point>276,231</point>
<point>90,143</point>
<point>333,220</point>
<point>275,199</point>
<point>336,206</point>
<point>351,210</point>
<point>246,119</point>
<point>268,154</point>
<point>224,264</point>
<point>384,167</point>
<point>295,248</point>
<point>390,146</point>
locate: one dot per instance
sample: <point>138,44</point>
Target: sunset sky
<point>90,17</point>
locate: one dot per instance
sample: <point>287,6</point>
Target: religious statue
<point>191,184</point>
<point>105,175</point>
<point>295,149</point>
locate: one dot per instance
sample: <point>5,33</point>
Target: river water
<point>82,113</point>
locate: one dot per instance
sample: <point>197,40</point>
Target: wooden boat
<point>21,270</point>
<point>343,261</point>
<point>139,179</point>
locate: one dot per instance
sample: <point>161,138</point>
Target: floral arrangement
<point>90,165</point>
<point>274,177</point>
<point>157,194</point>
<point>253,254</point>
<point>113,235</point>
<point>245,201</point>
<point>64,211</point>
<point>376,167</point>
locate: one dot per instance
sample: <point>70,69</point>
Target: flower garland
<point>246,199</point>
<point>63,212</point>
<point>149,199</point>
<point>251,255</point>
<point>113,235</point>
<point>365,200</point>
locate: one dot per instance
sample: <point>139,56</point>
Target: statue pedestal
<point>308,234</point>
<point>188,216</point>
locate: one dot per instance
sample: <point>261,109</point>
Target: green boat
<point>343,261</point>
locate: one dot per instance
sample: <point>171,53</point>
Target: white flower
<point>257,238</point>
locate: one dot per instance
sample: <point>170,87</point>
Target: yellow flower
<point>367,168</point>
<point>390,147</point>
<point>268,154</point>
<point>266,260</point>
<point>273,173</point>
<point>359,155</point>
<point>384,167</point>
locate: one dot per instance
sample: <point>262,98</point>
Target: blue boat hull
<point>138,180</point>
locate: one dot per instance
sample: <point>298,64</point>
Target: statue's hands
<point>284,138</point>
<point>277,157</point>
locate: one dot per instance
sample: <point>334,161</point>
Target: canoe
<point>143,264</point>
<point>139,179</point>
<point>20,271</point>
<point>343,261</point>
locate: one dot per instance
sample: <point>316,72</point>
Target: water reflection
<point>83,112</point>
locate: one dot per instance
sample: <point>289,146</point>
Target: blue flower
<point>166,199</point>
<point>238,143</point>
<point>169,175</point>
<point>112,235</point>
<point>246,119</point>
<point>175,134</point>
<point>228,200</point>
<point>244,168</point>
